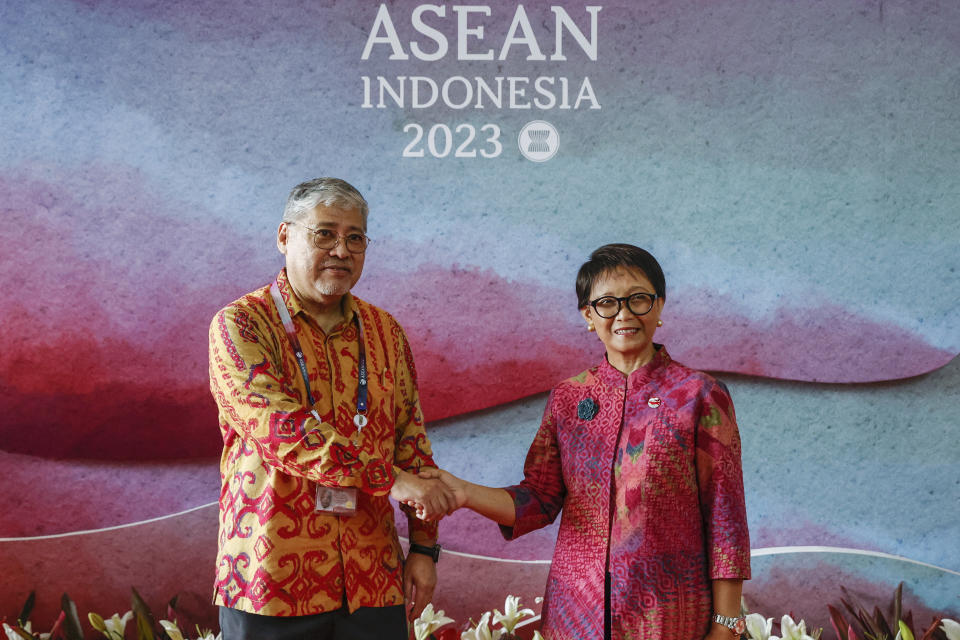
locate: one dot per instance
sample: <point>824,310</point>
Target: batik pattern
<point>647,468</point>
<point>277,555</point>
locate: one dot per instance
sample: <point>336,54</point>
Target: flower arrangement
<point>494,625</point>
<point>68,627</point>
<point>115,628</point>
<point>67,622</point>
<point>431,621</point>
<point>875,626</point>
<point>428,622</point>
<point>760,628</point>
<point>867,625</point>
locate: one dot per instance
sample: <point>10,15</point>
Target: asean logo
<point>538,141</point>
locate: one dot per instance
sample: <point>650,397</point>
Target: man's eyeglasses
<point>639,304</point>
<point>327,239</point>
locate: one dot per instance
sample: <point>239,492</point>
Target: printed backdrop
<point>792,165</point>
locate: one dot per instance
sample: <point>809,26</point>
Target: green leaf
<point>71,621</point>
<point>905,632</point>
<point>143,616</point>
<point>882,623</point>
<point>144,629</point>
<point>27,608</point>
<point>897,605</point>
<point>908,618</point>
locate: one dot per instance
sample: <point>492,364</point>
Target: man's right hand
<point>458,486</point>
<point>490,502</point>
<point>432,498</point>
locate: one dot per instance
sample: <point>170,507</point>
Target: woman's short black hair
<point>610,257</point>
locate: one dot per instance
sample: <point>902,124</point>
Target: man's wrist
<point>399,478</point>
<point>433,551</point>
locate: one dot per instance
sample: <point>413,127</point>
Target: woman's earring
<point>659,323</point>
<point>590,327</point>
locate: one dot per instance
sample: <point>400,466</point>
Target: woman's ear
<point>587,314</point>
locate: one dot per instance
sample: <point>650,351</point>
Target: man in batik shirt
<point>321,424</point>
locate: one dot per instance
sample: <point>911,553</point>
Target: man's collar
<point>349,305</point>
<point>293,302</point>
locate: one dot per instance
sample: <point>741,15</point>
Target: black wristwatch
<point>433,552</point>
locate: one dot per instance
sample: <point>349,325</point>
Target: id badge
<point>339,501</point>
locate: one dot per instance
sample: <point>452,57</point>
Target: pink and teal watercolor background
<point>793,166</point>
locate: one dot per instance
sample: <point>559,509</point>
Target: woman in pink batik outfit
<point>642,457</point>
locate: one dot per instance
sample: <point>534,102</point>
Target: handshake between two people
<point>432,493</point>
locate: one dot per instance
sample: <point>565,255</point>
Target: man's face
<point>321,276</point>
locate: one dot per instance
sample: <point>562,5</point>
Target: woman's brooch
<point>587,409</point>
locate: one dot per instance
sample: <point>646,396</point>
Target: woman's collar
<point>638,377</point>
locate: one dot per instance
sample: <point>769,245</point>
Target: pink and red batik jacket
<point>646,471</point>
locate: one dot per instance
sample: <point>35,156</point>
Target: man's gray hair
<point>328,192</point>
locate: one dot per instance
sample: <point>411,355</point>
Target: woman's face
<point>627,337</point>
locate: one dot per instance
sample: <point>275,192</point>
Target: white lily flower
<point>116,626</point>
<point>428,622</point>
<point>482,630</point>
<point>13,635</point>
<point>511,615</point>
<point>792,630</point>
<point>537,636</point>
<point>758,627</point>
<point>172,630</point>
<point>209,636</point>
<point>951,628</point>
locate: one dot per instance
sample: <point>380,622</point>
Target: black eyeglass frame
<point>316,236</point>
<point>652,297</point>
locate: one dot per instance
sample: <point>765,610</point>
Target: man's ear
<point>282,231</point>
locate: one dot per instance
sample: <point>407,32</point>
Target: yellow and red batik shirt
<point>277,555</point>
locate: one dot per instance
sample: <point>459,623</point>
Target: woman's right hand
<point>459,487</point>
<point>490,502</point>
<point>431,499</point>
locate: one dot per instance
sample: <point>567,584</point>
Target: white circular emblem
<point>654,402</point>
<point>538,141</point>
<point>360,420</point>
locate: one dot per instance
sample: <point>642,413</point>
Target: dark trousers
<point>366,623</point>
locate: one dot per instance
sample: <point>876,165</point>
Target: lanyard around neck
<point>360,419</point>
